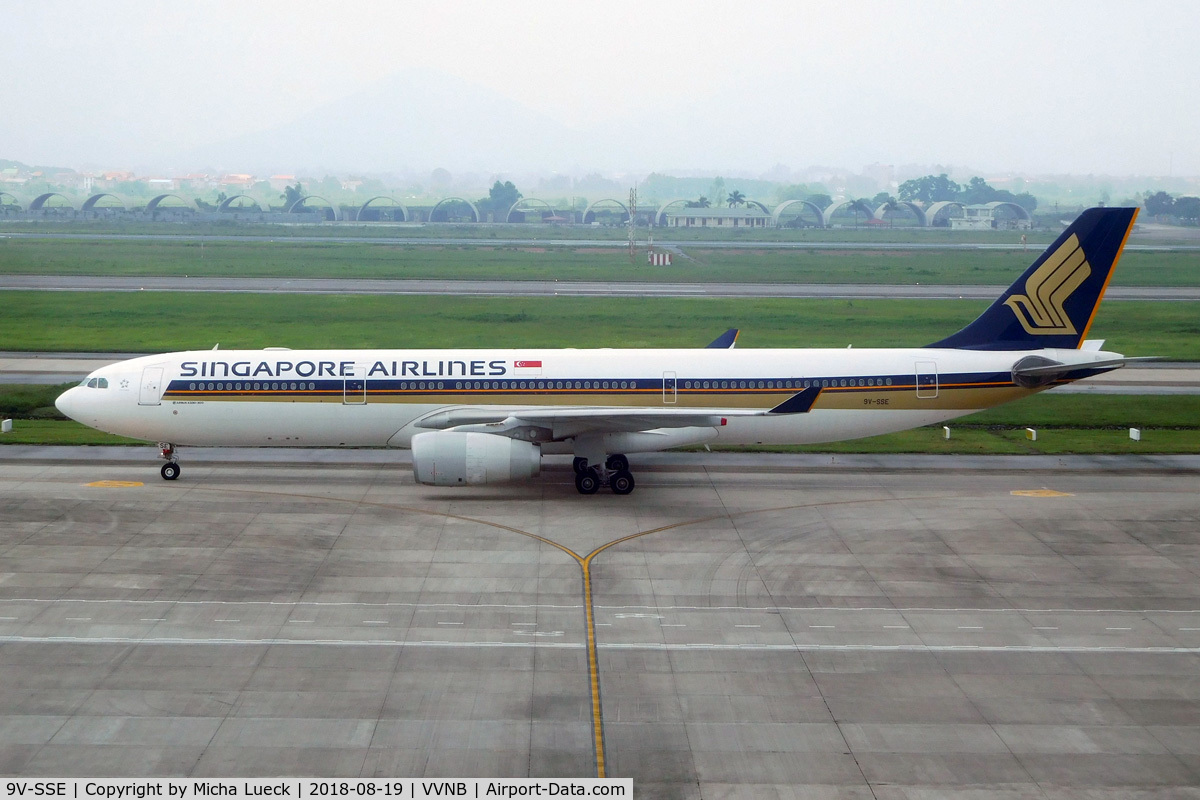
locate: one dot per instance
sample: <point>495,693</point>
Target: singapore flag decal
<point>527,367</point>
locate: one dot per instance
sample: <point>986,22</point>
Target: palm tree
<point>736,198</point>
<point>889,204</point>
<point>703,202</point>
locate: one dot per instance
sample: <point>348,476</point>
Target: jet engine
<point>451,458</point>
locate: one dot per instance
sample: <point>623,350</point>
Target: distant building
<point>750,217</point>
<point>196,182</point>
<point>983,217</point>
<point>12,176</point>
<point>237,181</point>
<point>108,180</point>
<point>281,182</point>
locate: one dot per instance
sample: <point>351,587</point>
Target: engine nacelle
<point>450,458</point>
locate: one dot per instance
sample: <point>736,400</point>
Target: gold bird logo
<point>1040,310</point>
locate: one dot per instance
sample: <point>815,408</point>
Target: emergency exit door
<point>927,379</point>
<point>150,393</point>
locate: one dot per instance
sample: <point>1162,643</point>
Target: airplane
<point>483,416</point>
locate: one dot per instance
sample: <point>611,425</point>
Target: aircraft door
<point>355,388</point>
<point>927,379</point>
<point>669,387</point>
<point>150,393</point>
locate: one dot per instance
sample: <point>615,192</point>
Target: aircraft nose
<point>68,402</point>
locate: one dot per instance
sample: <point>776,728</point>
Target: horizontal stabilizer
<point>800,403</point>
<point>1042,370</point>
<point>725,341</point>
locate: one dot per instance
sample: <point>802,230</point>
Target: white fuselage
<point>318,398</point>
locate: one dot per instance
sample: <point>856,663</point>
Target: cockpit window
<point>91,384</point>
<point>95,383</point>
<point>102,383</point>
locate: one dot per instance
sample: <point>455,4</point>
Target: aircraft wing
<point>571,420</point>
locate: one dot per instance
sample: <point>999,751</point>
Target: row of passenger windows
<point>786,384</point>
<point>250,387</point>
<point>102,383</point>
<point>539,385</point>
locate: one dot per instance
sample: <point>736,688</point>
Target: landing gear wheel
<point>617,463</point>
<point>587,482</point>
<point>579,465</point>
<point>170,471</point>
<point>622,482</point>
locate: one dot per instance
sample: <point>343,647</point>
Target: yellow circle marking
<point>1040,493</point>
<point>115,484</point>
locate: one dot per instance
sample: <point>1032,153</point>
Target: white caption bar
<point>192,789</point>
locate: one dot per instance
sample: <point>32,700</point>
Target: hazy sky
<point>1083,87</point>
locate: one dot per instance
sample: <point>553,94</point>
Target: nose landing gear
<point>170,470</point>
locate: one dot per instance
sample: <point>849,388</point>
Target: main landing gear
<point>170,470</point>
<point>615,475</point>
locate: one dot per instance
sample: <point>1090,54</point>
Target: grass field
<point>164,321</point>
<point>481,261</point>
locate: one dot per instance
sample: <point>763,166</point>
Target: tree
<point>930,189</point>
<point>1026,201</point>
<point>821,201</point>
<point>736,198</point>
<point>501,197</point>
<point>1187,209</point>
<point>703,202</point>
<point>717,190</point>
<point>977,191</point>
<point>796,191</point>
<point>292,195</point>
<point>1159,204</point>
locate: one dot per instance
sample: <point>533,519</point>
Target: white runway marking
<point>553,607</point>
<point>789,648</point>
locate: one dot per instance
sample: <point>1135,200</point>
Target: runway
<point>346,286</point>
<point>739,626</point>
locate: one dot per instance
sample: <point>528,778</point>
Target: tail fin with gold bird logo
<point>1053,304</point>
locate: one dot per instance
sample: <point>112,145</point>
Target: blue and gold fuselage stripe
<point>895,391</point>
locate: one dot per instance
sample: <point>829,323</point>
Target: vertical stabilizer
<point>1054,302</point>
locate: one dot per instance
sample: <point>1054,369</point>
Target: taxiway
<point>741,625</point>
